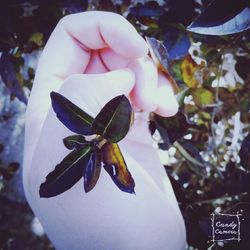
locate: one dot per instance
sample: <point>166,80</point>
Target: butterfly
<point>88,157</point>
<point>159,55</point>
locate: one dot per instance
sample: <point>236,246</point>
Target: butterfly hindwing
<point>159,54</point>
<point>116,167</point>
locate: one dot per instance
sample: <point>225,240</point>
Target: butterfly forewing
<point>159,54</point>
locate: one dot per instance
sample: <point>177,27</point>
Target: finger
<point>112,60</point>
<point>96,64</point>
<point>167,104</point>
<point>67,50</point>
<point>146,82</point>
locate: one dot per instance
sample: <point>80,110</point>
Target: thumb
<point>92,91</point>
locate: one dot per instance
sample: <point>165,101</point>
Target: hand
<point>90,58</point>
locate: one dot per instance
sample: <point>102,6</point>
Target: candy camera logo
<point>226,227</point>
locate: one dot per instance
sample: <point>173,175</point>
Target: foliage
<point>207,142</point>
<point>110,125</point>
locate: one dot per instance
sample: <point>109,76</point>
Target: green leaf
<point>92,170</point>
<point>116,167</point>
<point>66,174</point>
<point>36,38</point>
<point>202,96</point>
<point>70,115</point>
<point>113,121</point>
<point>75,142</point>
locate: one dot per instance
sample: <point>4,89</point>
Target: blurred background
<point>205,148</point>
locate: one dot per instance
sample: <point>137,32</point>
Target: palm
<point>74,220</point>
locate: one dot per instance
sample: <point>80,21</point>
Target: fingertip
<point>167,104</point>
<point>146,83</point>
<point>122,37</point>
<point>121,80</point>
<point>142,47</point>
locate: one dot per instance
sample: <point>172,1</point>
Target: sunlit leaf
<point>116,167</point>
<point>36,38</point>
<point>159,54</point>
<point>113,121</point>
<point>191,72</point>
<point>222,17</point>
<point>66,174</point>
<point>70,115</point>
<point>92,170</point>
<point>202,96</point>
<point>75,142</point>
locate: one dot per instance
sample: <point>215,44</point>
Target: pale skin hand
<point>90,58</point>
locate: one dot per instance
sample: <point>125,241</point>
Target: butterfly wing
<point>92,170</point>
<point>116,167</point>
<point>159,54</point>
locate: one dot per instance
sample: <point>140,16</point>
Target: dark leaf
<point>106,5</point>
<point>116,167</point>
<point>244,209</point>
<point>1,148</point>
<point>75,142</point>
<point>9,77</point>
<point>178,190</point>
<point>195,161</point>
<point>242,66</point>
<point>70,115</point>
<point>92,170</point>
<point>196,237</point>
<point>75,6</point>
<point>172,128</point>
<point>181,11</point>
<point>159,54</point>
<point>113,121</point>
<point>66,174</point>
<point>245,153</point>
<point>216,19</point>
<point>149,9</point>
<point>177,43</point>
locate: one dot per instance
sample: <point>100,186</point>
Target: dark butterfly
<point>159,54</point>
<point>89,156</point>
